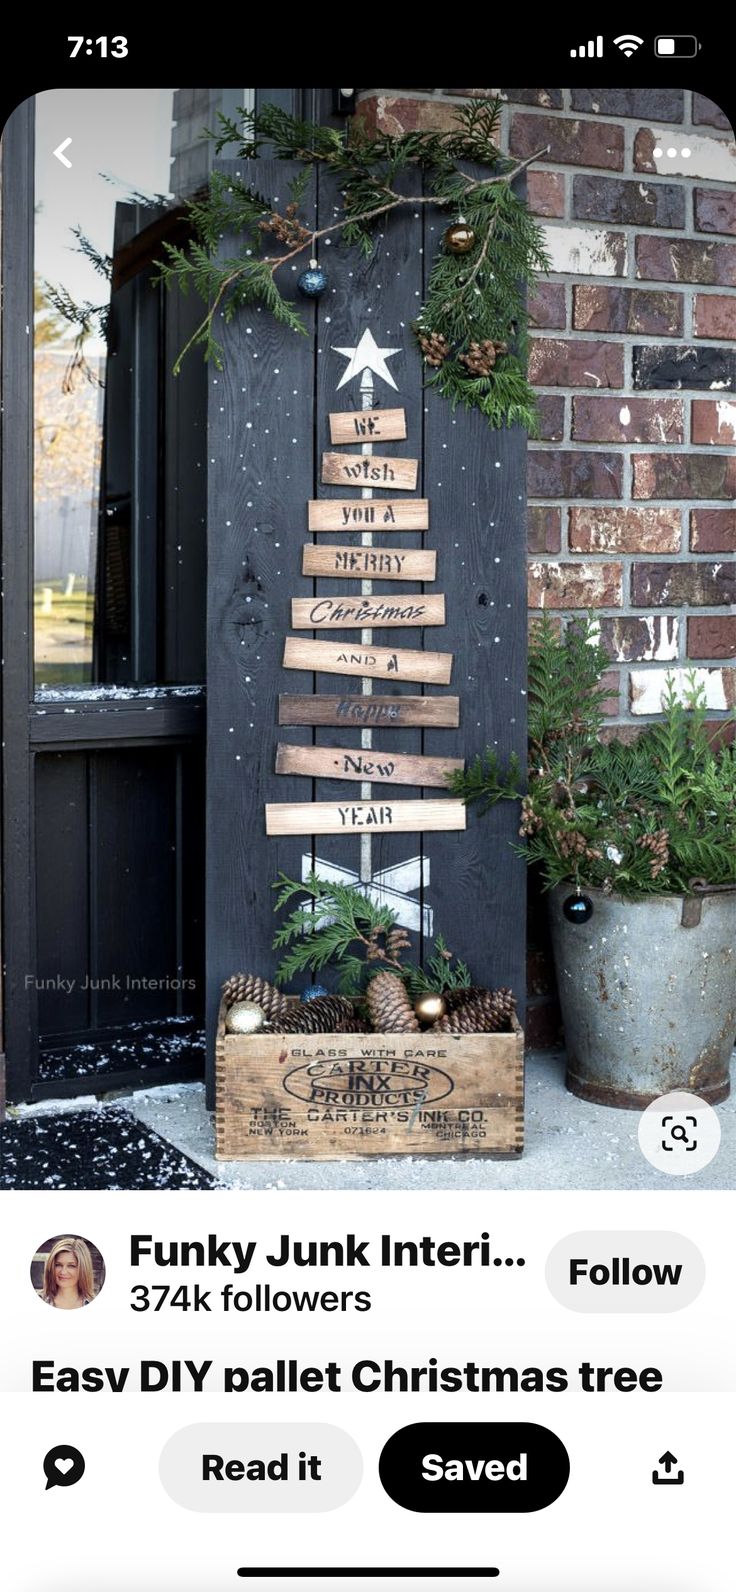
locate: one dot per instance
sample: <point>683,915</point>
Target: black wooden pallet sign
<point>269,429</point>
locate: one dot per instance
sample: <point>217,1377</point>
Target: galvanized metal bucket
<point>648,995</point>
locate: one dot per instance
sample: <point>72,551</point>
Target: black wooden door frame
<point>28,728</point>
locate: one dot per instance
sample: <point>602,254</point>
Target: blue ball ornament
<point>578,908</point>
<point>313,993</point>
<point>313,281</point>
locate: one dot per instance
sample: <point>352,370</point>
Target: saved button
<point>474,1467</point>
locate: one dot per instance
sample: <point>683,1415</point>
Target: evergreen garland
<point>471,329</point>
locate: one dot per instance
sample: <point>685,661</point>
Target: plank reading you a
<point>338,818</point>
<point>369,563</point>
<point>358,469</point>
<point>368,425</point>
<point>380,663</point>
<point>388,514</point>
<point>355,613</point>
<point>390,712</point>
<point>388,768</point>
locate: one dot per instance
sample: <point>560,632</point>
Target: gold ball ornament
<point>429,1008</point>
<point>459,238</point>
<point>244,1017</point>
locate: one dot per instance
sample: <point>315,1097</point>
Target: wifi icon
<point>628,43</point>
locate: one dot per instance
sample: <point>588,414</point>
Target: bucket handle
<point>692,906</point>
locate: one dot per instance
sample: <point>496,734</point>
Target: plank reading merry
<point>380,663</point>
<point>393,514</point>
<point>338,818</point>
<point>383,563</point>
<point>358,469</point>
<point>356,613</point>
<point>388,768</point>
<point>368,425</point>
<point>390,712</point>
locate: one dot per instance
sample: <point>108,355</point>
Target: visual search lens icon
<point>679,1133</point>
<point>628,43</point>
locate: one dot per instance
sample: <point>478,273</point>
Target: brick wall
<point>632,485</point>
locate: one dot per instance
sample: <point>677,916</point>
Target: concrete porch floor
<point>569,1145</point>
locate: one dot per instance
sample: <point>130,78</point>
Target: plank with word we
<point>368,425</point>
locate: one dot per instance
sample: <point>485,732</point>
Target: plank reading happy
<point>355,613</point>
<point>380,663</point>
<point>390,712</point>
<point>368,425</point>
<point>392,514</point>
<point>389,768</point>
<point>368,563</point>
<point>337,818</point>
<point>375,470</point>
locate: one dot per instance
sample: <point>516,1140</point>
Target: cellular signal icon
<point>592,48</point>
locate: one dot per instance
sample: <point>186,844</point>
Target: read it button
<point>474,1467</point>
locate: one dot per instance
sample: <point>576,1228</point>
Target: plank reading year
<point>337,818</point>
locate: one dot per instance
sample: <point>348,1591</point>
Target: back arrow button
<point>59,153</point>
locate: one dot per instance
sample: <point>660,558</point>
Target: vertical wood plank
<point>261,473</point>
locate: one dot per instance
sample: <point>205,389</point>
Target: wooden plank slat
<point>357,817</point>
<point>376,470</point>
<point>378,663</point>
<point>368,425</point>
<point>355,613</point>
<point>368,563</point>
<point>389,712</point>
<point>382,768</point>
<point>387,514</point>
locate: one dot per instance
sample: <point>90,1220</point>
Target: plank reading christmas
<point>346,818</point>
<point>385,563</point>
<point>380,663</point>
<point>358,469</point>
<point>393,514</point>
<point>388,768</point>
<point>368,425</point>
<point>355,613</point>
<point>391,713</point>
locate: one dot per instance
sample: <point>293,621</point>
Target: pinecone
<point>326,1014</point>
<point>658,847</point>
<point>249,987</point>
<point>481,357</point>
<point>488,1012</point>
<point>460,997</point>
<point>434,346</point>
<point>389,1007</point>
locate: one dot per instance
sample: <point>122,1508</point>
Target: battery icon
<point>674,44</point>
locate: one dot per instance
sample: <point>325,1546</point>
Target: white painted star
<point>367,356</point>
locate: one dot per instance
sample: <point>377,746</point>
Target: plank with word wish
<point>386,514</point>
<point>378,663</point>
<point>388,768</point>
<point>355,613</point>
<point>349,818</point>
<point>358,469</point>
<point>388,712</point>
<point>368,425</point>
<point>369,563</point>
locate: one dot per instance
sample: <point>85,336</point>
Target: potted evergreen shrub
<point>636,844</point>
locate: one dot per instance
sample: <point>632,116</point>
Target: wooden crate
<point>329,1097</point>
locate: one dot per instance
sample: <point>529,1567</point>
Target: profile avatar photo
<point>67,1272</point>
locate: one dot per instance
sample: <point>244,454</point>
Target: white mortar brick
<point>726,420</point>
<point>647,686</point>
<point>583,251</point>
<point>664,637</point>
<point>711,158</point>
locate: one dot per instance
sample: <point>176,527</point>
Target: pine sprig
<point>326,923</point>
<point>442,971</point>
<point>476,298</point>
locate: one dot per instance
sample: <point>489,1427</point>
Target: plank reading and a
<point>358,469</point>
<point>390,514</point>
<point>368,425</point>
<point>368,563</point>
<point>379,663</point>
<point>387,768</point>
<point>354,817</point>
<point>355,613</point>
<point>388,712</point>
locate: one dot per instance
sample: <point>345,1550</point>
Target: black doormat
<point>103,1149</point>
